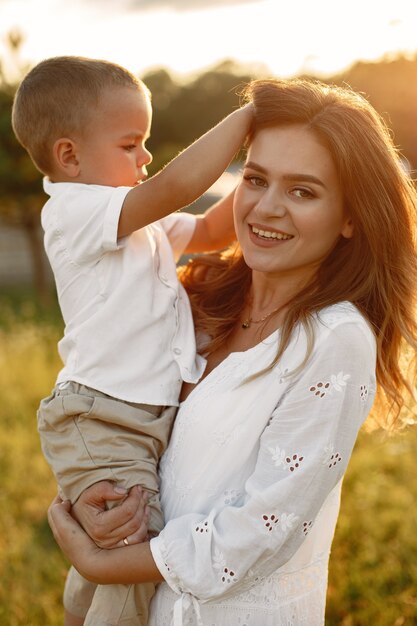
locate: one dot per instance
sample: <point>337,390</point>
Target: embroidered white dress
<point>251,480</point>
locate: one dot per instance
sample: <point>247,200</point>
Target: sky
<point>286,37</point>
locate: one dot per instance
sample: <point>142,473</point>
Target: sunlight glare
<point>323,37</point>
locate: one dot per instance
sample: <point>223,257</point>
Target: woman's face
<point>288,207</point>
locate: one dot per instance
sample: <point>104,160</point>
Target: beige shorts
<point>107,605</point>
<point>87,436</point>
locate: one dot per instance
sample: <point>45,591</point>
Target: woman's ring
<point>125,541</point>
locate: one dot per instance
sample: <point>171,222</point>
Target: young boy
<point>129,339</point>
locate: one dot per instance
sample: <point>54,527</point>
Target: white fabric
<point>128,325</point>
<point>250,482</point>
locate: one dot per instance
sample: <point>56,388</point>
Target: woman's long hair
<point>376,269</point>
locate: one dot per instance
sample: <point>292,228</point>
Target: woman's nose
<point>271,204</point>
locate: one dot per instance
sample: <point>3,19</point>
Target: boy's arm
<point>187,176</point>
<point>214,229</point>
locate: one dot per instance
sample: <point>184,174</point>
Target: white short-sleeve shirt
<point>128,324</point>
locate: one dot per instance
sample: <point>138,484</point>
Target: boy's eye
<point>130,147</point>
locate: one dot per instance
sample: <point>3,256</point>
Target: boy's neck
<point>61,178</point>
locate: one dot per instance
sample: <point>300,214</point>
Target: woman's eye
<point>301,192</point>
<point>130,147</point>
<point>256,181</point>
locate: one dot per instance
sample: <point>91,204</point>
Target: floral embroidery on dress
<point>270,521</point>
<point>278,456</point>
<point>293,462</point>
<point>288,520</point>
<point>227,575</point>
<point>285,521</point>
<point>202,528</point>
<point>364,393</point>
<point>331,458</point>
<point>221,437</point>
<point>320,389</point>
<point>281,459</point>
<point>231,496</point>
<point>337,382</point>
<point>335,459</point>
<point>173,577</point>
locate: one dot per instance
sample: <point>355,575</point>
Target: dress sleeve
<point>303,453</point>
<point>179,228</point>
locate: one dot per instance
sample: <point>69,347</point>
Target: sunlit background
<point>288,37</point>
<point>193,55</point>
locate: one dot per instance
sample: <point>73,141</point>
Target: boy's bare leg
<point>72,620</point>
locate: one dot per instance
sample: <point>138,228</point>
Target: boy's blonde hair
<point>58,98</point>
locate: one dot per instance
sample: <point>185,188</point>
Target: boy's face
<point>112,149</point>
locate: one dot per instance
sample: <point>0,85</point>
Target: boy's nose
<point>145,157</point>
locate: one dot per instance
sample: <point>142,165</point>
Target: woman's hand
<point>125,524</point>
<point>132,564</point>
<point>71,538</point>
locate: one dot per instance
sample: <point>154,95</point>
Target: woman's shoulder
<point>345,321</point>
<point>340,313</point>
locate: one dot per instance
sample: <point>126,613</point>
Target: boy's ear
<point>66,157</point>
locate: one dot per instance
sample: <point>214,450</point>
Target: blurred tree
<point>391,87</point>
<point>185,111</point>
<point>162,142</point>
<point>21,195</point>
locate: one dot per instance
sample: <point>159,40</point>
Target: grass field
<point>373,569</point>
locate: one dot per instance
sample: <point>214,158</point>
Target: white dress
<point>251,480</point>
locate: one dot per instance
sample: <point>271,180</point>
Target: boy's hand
<point>111,528</point>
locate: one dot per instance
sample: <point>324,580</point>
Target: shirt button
<point>177,351</point>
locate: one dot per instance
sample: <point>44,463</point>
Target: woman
<point>299,322</point>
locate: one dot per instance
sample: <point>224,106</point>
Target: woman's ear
<point>66,157</point>
<point>348,229</point>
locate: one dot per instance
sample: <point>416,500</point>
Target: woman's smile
<point>263,235</point>
<point>289,206</point>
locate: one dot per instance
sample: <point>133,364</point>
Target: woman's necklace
<point>249,321</point>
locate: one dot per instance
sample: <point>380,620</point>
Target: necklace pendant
<point>246,323</point>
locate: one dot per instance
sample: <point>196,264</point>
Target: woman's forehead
<point>295,147</point>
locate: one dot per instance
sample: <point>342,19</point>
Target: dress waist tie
<point>181,606</point>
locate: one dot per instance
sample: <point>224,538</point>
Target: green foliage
<point>32,570</point>
<point>20,183</point>
<point>391,87</point>
<point>183,112</point>
<point>373,574</point>
<point>373,569</point>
